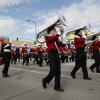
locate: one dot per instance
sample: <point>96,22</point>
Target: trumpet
<point>58,24</point>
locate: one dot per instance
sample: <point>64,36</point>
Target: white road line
<point>37,72</point>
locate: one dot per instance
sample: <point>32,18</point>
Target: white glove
<point>58,31</point>
<point>86,42</point>
<point>83,34</point>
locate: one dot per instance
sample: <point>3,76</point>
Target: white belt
<point>7,50</point>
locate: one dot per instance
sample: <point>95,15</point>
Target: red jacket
<point>96,45</point>
<point>24,49</point>
<point>51,40</point>
<point>79,42</point>
<point>60,49</point>
<point>45,50</point>
<point>65,49</point>
<point>72,49</point>
<point>34,50</point>
<point>39,49</point>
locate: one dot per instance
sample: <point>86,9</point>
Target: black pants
<point>66,57</point>
<point>26,59</point>
<point>35,59</point>
<point>62,57</point>
<point>14,58</point>
<point>40,58</point>
<point>72,56</point>
<point>6,67</point>
<point>80,62</point>
<point>96,57</point>
<point>55,69</point>
<point>18,56</point>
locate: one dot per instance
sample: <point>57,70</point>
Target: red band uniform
<point>72,50</point>
<point>96,55</point>
<point>79,42</point>
<point>39,50</point>
<point>53,44</point>
<point>26,58</point>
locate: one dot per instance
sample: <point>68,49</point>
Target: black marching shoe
<point>7,75</point>
<point>4,75</point>
<point>41,66</point>
<point>27,64</point>
<point>87,78</point>
<point>22,63</point>
<point>91,70</point>
<point>73,76</point>
<point>98,71</point>
<point>15,63</point>
<point>44,84</point>
<point>59,89</point>
<point>11,62</point>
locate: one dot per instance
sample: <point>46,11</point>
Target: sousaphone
<point>85,28</point>
<point>58,24</point>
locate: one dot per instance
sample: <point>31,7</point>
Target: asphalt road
<point>25,83</point>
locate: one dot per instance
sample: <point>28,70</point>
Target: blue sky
<point>13,19</point>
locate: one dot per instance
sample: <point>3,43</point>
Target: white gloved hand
<point>58,31</point>
<point>83,34</point>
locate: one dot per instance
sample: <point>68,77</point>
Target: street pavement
<point>25,83</point>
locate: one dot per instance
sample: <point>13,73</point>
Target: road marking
<point>37,72</point>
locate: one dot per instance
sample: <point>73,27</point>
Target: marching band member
<point>65,52</point>
<point>72,50</point>
<point>35,57</point>
<point>45,54</point>
<point>80,55</point>
<point>29,54</point>
<point>62,54</point>
<point>14,55</point>
<point>25,51</point>
<point>6,56</point>
<point>96,56</point>
<point>18,53</point>
<point>40,51</point>
<point>53,43</point>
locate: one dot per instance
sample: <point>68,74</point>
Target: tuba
<point>86,28</point>
<point>58,24</point>
<point>67,36</point>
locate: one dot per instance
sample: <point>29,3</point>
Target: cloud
<point>77,14</point>
<point>8,26</point>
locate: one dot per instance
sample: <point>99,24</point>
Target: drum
<point>44,55</point>
<point>34,54</point>
<point>69,55</point>
<point>25,54</point>
<point>65,53</point>
<point>74,54</point>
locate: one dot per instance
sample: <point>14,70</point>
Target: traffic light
<point>17,38</point>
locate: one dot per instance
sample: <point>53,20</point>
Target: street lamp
<point>35,27</point>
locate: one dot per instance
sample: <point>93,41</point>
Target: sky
<point>13,17</point>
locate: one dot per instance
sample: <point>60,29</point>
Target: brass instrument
<point>58,24</point>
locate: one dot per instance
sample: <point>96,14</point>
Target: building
<point>19,43</point>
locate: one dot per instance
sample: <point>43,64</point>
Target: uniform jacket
<point>52,42</point>
<point>96,45</point>
<point>6,56</point>
<point>72,49</point>
<point>24,49</point>
<point>79,42</point>
<point>39,49</point>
